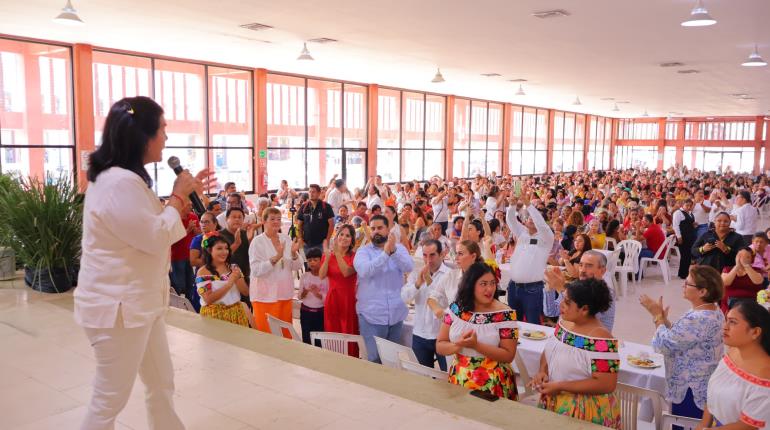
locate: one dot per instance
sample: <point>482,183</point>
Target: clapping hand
<point>467,340</point>
<point>708,247</point>
<point>538,380</point>
<point>555,279</point>
<point>390,245</point>
<point>655,308</point>
<point>721,245</point>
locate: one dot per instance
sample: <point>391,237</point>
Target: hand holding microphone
<point>187,185</point>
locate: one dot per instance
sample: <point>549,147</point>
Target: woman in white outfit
<point>123,288</point>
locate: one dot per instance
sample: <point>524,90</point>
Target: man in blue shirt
<point>381,266</point>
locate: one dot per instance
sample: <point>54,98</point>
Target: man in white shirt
<point>745,216</point>
<point>440,205</point>
<point>339,196</point>
<point>534,241</point>
<point>418,288</point>
<point>700,210</point>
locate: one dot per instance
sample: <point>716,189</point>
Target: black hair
<point>761,236</point>
<point>130,124</point>
<point>476,223</point>
<point>591,292</point>
<point>234,208</point>
<point>352,232</point>
<point>612,227</point>
<point>434,242</point>
<point>380,218</point>
<point>376,208</point>
<point>208,263</point>
<point>395,213</point>
<point>494,224</point>
<point>339,182</point>
<point>212,204</point>
<point>465,291</point>
<point>757,316</point>
<point>314,252</point>
<point>649,218</point>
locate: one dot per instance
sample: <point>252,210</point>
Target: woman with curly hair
<point>215,281</point>
<point>579,365</point>
<point>481,332</point>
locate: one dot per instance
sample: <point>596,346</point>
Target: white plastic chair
<point>661,259</point>
<point>607,242</point>
<point>180,302</point>
<point>630,266</point>
<point>419,369</point>
<point>630,397</point>
<point>675,252</point>
<point>277,326</point>
<point>612,263</point>
<point>248,313</point>
<point>675,420</point>
<point>392,353</point>
<point>529,396</point>
<point>338,342</point>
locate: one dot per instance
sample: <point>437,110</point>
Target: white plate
<point>524,335</point>
<point>655,365</point>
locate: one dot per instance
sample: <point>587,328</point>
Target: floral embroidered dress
<point>691,348</point>
<point>737,396</point>
<point>473,370</point>
<point>574,357</point>
<point>228,308</point>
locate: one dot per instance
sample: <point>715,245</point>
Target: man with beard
<point>381,266</point>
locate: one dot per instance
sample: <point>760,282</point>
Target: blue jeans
<point>687,408</point>
<point>702,228</point>
<point>526,300</point>
<point>369,331</point>
<point>425,350</point>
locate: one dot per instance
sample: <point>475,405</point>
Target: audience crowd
<point>365,256</point>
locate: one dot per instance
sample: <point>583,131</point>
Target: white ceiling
<point>606,48</point>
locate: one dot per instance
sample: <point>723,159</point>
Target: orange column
<point>449,141</point>
<point>507,111</point>
<point>661,142</point>
<point>767,148</point>
<point>549,154</point>
<point>373,112</point>
<point>758,124</point>
<point>613,142</point>
<point>260,134</point>
<point>82,66</point>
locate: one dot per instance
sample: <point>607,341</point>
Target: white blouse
<point>490,327</point>
<point>574,357</point>
<point>126,252</point>
<point>213,283</point>
<point>271,283</point>
<point>735,395</point>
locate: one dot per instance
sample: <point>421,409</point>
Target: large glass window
<point>410,135</point>
<point>720,130</point>
<point>208,111</point>
<point>719,158</point>
<point>569,140</point>
<point>599,143</point>
<point>637,157</point>
<point>529,141</point>
<point>631,129</point>
<point>478,139</point>
<point>36,136</point>
<point>316,129</point>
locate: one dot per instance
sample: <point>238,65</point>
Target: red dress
<point>340,305</point>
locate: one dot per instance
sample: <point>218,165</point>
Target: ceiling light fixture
<point>439,77</point>
<point>68,16</point>
<point>754,60</point>
<point>305,54</point>
<point>616,108</point>
<point>521,91</point>
<point>577,101</point>
<point>490,75</point>
<point>699,17</point>
<point>645,114</point>
<point>517,80</point>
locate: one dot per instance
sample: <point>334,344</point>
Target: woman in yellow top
<point>595,233</point>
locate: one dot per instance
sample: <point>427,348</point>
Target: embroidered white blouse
<point>490,327</point>
<point>271,283</point>
<point>735,395</point>
<point>126,252</point>
<point>574,357</point>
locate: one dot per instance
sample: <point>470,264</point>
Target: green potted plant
<point>42,223</point>
<point>7,256</point>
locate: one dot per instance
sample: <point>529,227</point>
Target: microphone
<point>197,204</point>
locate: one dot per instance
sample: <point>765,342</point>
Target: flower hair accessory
<point>205,241</point>
<point>495,268</point>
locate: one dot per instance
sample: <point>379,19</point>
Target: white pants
<point>120,353</point>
